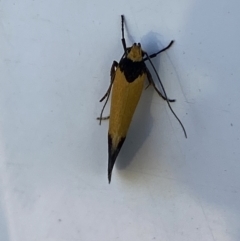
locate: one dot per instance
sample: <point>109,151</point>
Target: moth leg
<point>103,118</point>
<point>112,74</point>
<point>150,79</point>
<point>155,54</point>
<point>149,83</point>
<point>113,70</point>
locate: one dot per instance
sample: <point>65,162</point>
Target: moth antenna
<point>185,133</point>
<point>123,38</point>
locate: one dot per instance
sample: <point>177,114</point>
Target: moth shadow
<point>142,122</point>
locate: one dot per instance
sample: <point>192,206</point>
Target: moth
<point>127,83</point>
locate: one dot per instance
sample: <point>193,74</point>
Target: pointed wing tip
<point>110,174</point>
<point>109,177</point>
<point>113,153</point>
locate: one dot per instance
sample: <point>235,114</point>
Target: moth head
<point>135,53</point>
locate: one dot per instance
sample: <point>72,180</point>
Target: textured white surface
<point>55,58</point>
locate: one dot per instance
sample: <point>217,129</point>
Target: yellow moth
<point>127,83</point>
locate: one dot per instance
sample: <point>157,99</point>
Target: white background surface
<point>55,58</point>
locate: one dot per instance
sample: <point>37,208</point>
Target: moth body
<point>127,83</point>
<point>127,88</point>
